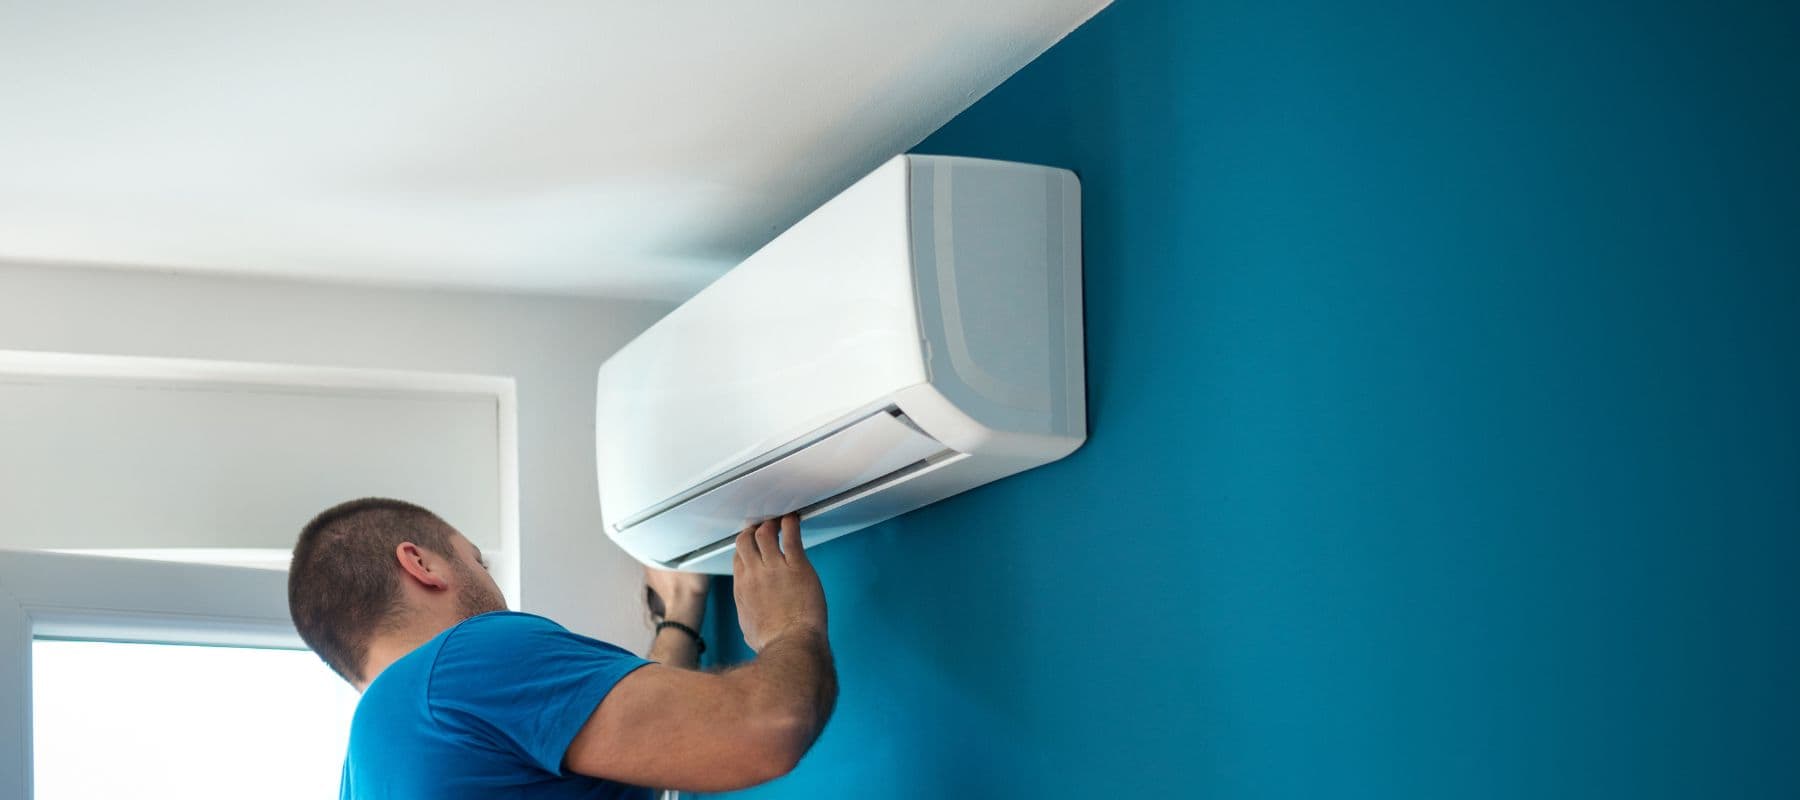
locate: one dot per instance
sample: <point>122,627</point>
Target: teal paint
<point>1443,379</point>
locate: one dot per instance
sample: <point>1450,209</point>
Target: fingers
<point>769,541</point>
<point>791,545</point>
<point>767,544</point>
<point>746,544</point>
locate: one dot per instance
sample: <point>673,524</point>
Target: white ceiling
<point>620,147</point>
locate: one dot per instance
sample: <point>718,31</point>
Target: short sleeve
<point>523,683</point>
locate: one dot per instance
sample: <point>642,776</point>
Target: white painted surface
<point>216,449</point>
<point>549,346</point>
<point>270,558</point>
<point>599,147</point>
<point>102,464</point>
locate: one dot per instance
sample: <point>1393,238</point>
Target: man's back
<point>463,699</point>
<point>487,709</point>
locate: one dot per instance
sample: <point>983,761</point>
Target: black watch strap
<point>669,623</point>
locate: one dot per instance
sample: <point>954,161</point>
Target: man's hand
<point>777,591</point>
<point>717,732</point>
<point>678,596</point>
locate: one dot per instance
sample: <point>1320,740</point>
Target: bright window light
<point>162,722</point>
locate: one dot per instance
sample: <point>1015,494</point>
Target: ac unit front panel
<point>875,446</point>
<point>952,476</point>
<point>816,325</point>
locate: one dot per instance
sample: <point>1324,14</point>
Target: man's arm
<point>695,731</point>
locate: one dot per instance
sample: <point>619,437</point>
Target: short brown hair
<point>343,585</point>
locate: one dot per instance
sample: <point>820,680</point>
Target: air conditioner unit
<point>917,336</point>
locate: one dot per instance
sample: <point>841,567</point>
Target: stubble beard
<point>477,597</point>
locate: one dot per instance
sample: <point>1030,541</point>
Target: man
<point>464,699</point>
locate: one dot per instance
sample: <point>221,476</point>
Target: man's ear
<point>413,560</point>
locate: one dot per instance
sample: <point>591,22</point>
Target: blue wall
<point>1444,400</point>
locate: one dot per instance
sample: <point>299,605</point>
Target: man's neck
<point>388,648</point>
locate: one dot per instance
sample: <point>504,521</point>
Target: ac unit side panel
<point>949,422</point>
<point>997,269</point>
<point>814,326</point>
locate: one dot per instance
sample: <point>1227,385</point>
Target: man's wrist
<point>689,610</point>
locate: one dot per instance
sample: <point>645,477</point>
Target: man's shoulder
<point>505,621</point>
<point>504,636</point>
<point>495,634</point>
<point>500,624</point>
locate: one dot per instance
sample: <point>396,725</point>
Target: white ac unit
<point>916,336</point>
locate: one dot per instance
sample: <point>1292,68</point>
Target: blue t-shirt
<point>484,710</point>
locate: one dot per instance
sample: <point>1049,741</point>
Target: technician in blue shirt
<point>464,699</point>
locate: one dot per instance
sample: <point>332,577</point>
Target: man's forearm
<point>793,680</point>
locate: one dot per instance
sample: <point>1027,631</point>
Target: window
<point>158,721</point>
<point>160,680</point>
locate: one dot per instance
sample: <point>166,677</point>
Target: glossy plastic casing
<point>918,335</point>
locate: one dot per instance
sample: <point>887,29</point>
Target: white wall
<point>550,345</point>
<point>116,464</point>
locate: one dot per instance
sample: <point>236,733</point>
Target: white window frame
<point>124,600</point>
<point>505,561</point>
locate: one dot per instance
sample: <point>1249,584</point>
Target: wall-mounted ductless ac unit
<point>917,336</point>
